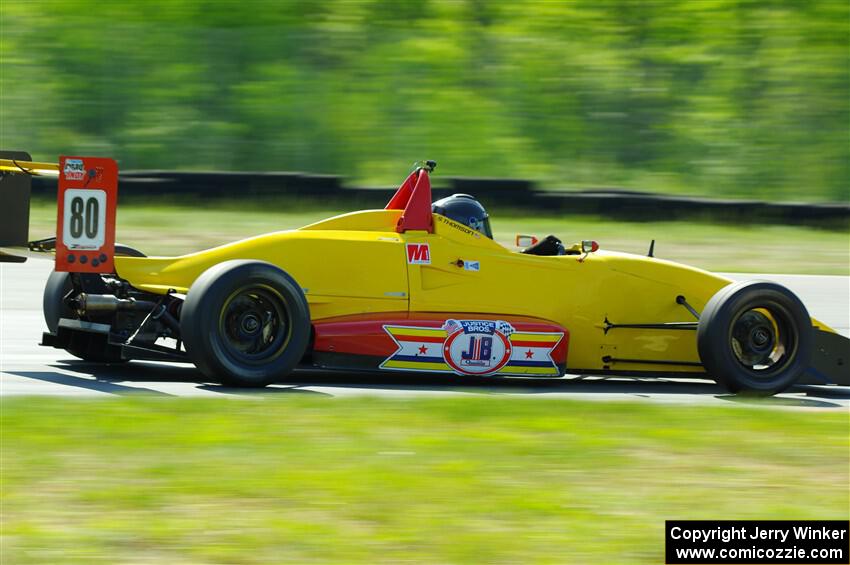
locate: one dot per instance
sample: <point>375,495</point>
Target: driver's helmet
<point>466,210</point>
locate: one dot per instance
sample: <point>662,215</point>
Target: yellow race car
<point>422,286</point>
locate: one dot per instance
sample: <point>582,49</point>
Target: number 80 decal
<point>85,235</point>
<point>85,214</point>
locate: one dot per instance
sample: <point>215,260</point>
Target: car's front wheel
<point>245,323</point>
<point>755,337</point>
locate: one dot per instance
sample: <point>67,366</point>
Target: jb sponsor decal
<point>473,347</point>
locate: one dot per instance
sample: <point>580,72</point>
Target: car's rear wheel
<point>755,337</point>
<point>87,346</point>
<point>245,323</point>
<point>53,301</point>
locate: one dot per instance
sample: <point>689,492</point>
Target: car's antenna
<point>651,249</point>
<point>430,165</point>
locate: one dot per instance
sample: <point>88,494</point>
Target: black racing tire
<point>86,346</point>
<point>122,250</point>
<point>245,323</point>
<point>53,304</point>
<point>755,337</point>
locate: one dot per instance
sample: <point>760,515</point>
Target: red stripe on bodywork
<point>364,334</point>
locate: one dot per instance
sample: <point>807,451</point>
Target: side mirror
<point>525,240</point>
<point>588,246</point>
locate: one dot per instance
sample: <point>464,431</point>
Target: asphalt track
<point>27,369</point>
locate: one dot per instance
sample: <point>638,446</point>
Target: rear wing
<point>15,187</point>
<point>87,196</point>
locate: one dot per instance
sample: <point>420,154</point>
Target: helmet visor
<point>481,225</point>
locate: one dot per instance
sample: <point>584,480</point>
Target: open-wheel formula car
<point>422,286</point>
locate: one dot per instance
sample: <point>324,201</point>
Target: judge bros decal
<point>473,347</point>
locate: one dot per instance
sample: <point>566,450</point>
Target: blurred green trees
<point>715,97</point>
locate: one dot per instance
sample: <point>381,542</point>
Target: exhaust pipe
<point>87,304</point>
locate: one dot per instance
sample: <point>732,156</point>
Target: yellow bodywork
<point>357,263</point>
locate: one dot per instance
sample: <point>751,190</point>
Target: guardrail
<point>494,193</point>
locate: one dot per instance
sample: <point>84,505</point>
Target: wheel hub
<point>254,324</point>
<point>250,323</point>
<point>754,338</point>
<point>760,337</point>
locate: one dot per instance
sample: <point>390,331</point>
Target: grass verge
<point>299,479</point>
<point>184,227</point>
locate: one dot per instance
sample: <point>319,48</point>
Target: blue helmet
<point>466,210</point>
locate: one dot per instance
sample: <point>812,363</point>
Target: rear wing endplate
<point>14,205</point>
